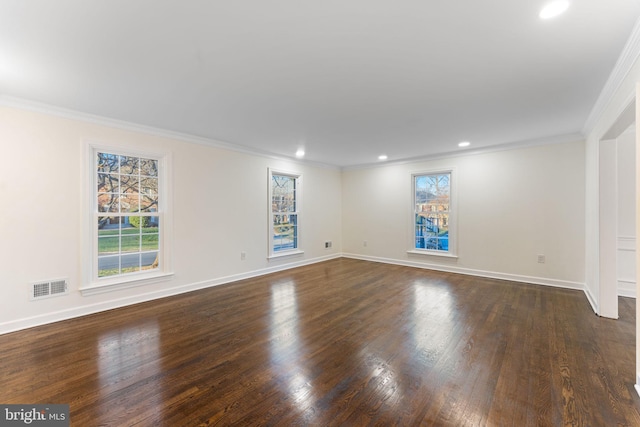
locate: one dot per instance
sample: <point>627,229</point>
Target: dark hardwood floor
<point>340,343</point>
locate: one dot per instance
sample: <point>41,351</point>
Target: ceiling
<point>346,80</point>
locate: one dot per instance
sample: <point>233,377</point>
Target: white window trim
<point>290,252</point>
<point>91,284</point>
<point>285,254</point>
<point>453,215</point>
<point>429,252</point>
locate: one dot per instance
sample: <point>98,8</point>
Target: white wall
<point>512,206</point>
<point>220,209</point>
<point>626,220</point>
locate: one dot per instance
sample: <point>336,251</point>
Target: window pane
<point>149,195</point>
<point>129,165</point>
<point>149,260</point>
<point>148,167</point>
<point>108,203</point>
<point>130,243</point>
<point>130,203</point>
<point>108,266</point>
<point>149,186</point>
<point>108,163</point>
<point>130,263</point>
<point>150,242</point>
<point>130,184</point>
<point>108,183</point>
<point>108,225</point>
<point>108,245</point>
<point>148,204</point>
<point>152,225</point>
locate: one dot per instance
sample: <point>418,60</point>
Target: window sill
<point>285,254</point>
<point>120,283</point>
<point>432,253</point>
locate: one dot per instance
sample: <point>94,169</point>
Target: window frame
<point>272,254</point>
<point>92,284</point>
<point>451,252</point>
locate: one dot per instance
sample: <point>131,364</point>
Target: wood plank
<point>343,342</point>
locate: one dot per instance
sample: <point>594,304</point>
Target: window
<point>127,217</point>
<point>127,220</point>
<point>432,216</point>
<point>284,213</point>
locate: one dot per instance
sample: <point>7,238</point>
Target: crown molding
<point>623,66</point>
<point>38,107</point>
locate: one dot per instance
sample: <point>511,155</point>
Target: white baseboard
<point>591,300</point>
<point>29,322</point>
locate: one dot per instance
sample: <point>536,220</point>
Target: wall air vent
<point>47,289</point>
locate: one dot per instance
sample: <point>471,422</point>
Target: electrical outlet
<point>327,244</point>
<point>243,256</point>
<point>541,259</point>
<point>364,243</point>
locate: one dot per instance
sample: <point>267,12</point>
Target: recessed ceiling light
<point>553,9</point>
<point>382,157</point>
<point>300,153</point>
<point>464,144</point>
